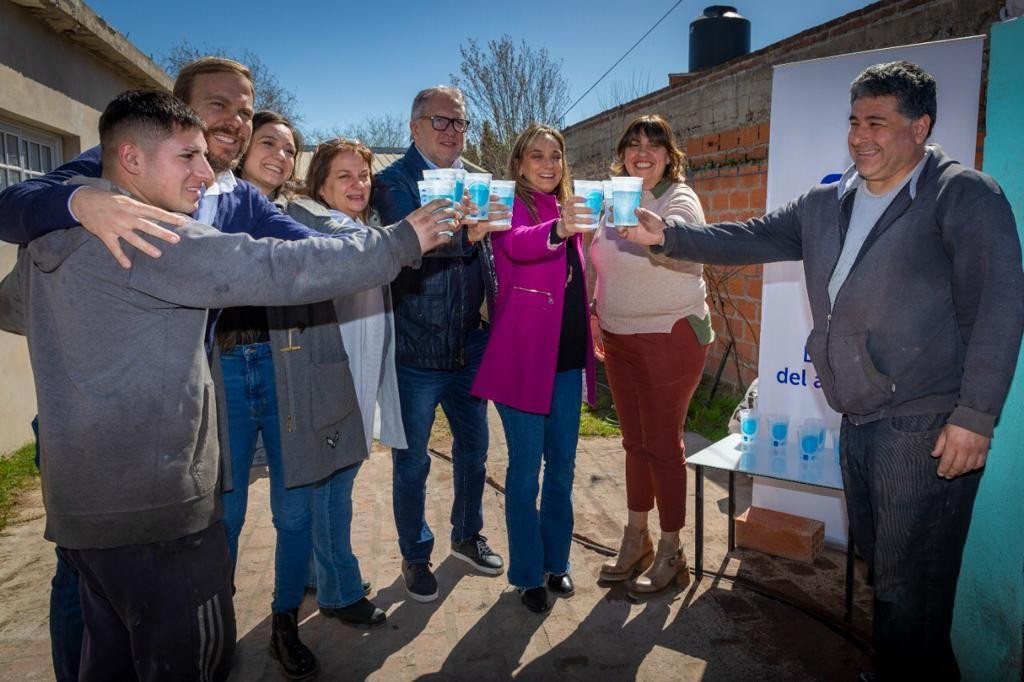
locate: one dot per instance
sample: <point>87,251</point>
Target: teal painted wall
<point>989,617</point>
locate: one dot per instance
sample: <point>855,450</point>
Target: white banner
<point>807,145</point>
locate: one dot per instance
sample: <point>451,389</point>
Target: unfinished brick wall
<point>721,115</point>
<point>729,172</point>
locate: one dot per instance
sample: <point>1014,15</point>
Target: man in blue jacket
<point>440,342</point>
<point>913,270</point>
<point>221,92</point>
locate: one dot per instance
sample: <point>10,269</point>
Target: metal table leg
<point>698,512</point>
<point>732,510</point>
<point>848,616</point>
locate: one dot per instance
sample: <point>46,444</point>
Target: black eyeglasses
<point>440,123</point>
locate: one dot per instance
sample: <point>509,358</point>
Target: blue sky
<point>346,60</point>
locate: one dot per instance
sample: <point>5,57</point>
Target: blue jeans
<point>338,580</point>
<point>66,624</point>
<point>420,391</point>
<point>538,543</point>
<point>252,408</point>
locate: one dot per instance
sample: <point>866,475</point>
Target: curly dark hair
<point>912,86</point>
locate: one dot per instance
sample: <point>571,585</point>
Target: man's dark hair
<point>912,86</point>
<point>147,115</point>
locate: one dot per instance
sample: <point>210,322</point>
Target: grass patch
<point>17,472</point>
<point>711,421</point>
<point>601,420</point>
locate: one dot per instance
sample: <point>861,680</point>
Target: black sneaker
<point>475,552</point>
<point>420,582</point>
<point>362,615</point>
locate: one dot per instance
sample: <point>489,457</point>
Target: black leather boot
<point>297,661</point>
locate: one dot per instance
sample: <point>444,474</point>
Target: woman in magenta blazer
<point>538,356</point>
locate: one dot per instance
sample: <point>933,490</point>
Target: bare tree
<point>488,151</point>
<point>269,93</point>
<point>379,130</point>
<point>619,92</point>
<point>508,87</point>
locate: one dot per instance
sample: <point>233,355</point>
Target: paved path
<point>477,629</point>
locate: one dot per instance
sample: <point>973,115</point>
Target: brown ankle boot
<point>635,554</point>
<point>669,566</point>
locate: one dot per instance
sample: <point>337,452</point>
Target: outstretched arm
<point>41,205</point>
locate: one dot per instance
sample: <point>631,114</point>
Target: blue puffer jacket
<point>437,305</point>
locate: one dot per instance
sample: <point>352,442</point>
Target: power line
<point>625,54</point>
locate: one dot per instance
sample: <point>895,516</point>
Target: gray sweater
<point>929,319</point>
<point>126,404</point>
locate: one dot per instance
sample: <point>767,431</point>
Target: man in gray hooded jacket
<point>913,271</point>
<point>128,422</point>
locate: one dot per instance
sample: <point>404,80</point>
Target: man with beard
<point>221,92</point>
<point>130,475</point>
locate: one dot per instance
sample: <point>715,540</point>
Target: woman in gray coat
<point>285,374</point>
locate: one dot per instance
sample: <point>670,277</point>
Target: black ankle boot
<point>297,661</point>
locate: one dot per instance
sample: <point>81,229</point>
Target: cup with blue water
<point>609,203</point>
<point>505,191</point>
<point>437,188</point>
<point>778,430</point>
<point>456,175</point>
<point>626,191</point>
<point>748,425</point>
<point>592,192</point>
<point>479,187</point>
<point>811,436</point>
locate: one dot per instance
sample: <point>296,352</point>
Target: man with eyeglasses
<point>440,342</point>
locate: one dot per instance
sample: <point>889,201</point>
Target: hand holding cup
<point>649,232</point>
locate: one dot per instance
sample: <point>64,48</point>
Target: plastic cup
<point>437,188</point>
<point>748,425</point>
<point>609,196</point>
<point>505,190</point>
<point>626,192</point>
<point>808,438</point>
<point>479,187</point>
<point>833,435</point>
<point>450,175</point>
<point>778,429</point>
<point>817,425</point>
<point>592,192</point>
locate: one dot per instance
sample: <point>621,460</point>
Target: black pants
<point>910,525</point>
<point>160,611</point>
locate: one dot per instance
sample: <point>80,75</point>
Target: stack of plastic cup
<point>592,192</point>
<point>626,191</point>
<point>479,187</point>
<point>437,188</point>
<point>457,175</point>
<point>609,203</point>
<point>778,429</point>
<point>748,425</point>
<point>505,190</point>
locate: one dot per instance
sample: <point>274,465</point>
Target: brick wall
<point>721,117</point>
<point>729,172</point>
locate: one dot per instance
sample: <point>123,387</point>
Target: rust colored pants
<point>652,379</point>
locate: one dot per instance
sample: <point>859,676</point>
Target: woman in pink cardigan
<point>537,357</point>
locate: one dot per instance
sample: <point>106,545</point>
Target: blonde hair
<point>187,75</point>
<point>320,166</point>
<point>519,148</point>
<point>656,129</point>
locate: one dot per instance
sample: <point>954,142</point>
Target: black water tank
<point>717,36</point>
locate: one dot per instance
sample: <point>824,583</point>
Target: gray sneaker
<point>420,582</point>
<point>475,552</point>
